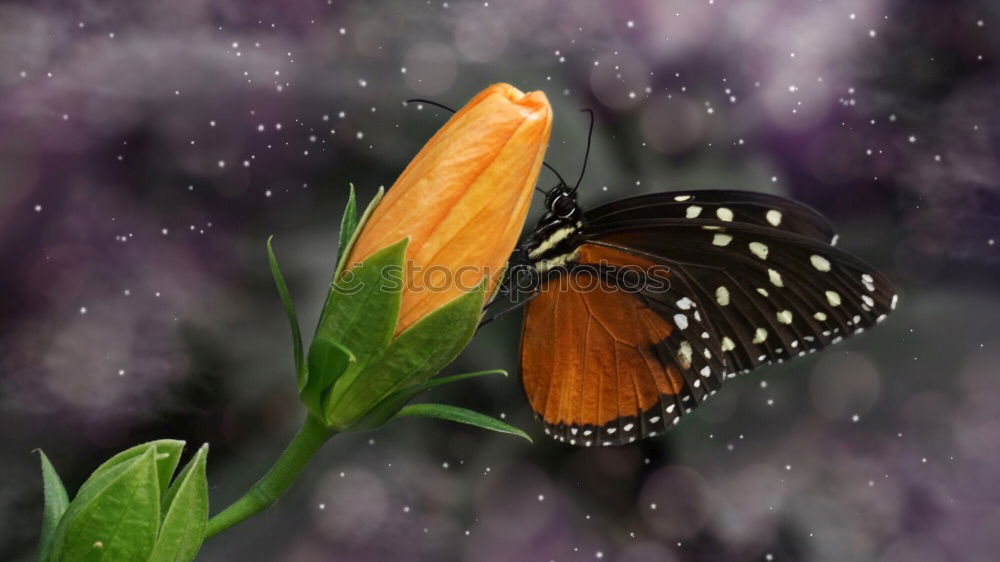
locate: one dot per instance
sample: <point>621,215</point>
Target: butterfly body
<point>643,307</point>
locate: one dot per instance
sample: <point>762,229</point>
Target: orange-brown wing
<point>595,363</point>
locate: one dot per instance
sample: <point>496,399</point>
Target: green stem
<point>272,485</point>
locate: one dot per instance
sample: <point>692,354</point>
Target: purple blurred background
<point>149,148</point>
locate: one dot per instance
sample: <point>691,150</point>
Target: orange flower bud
<point>463,199</point>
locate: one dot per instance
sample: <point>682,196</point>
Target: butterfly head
<point>560,203</point>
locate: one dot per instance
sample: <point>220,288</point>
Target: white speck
<point>83,310</point>
<point>38,208</point>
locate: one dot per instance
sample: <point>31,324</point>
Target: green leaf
<point>363,304</point>
<point>186,513</point>
<point>461,415</point>
<point>293,320</point>
<point>416,355</point>
<point>167,455</point>
<point>56,502</point>
<point>386,409</point>
<point>345,249</point>
<point>348,224</point>
<point>116,518</point>
<point>327,362</point>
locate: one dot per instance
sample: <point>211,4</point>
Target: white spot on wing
<point>784,316</point>
<point>759,250</point>
<point>693,211</point>
<point>684,304</point>
<point>820,263</point>
<point>681,321</point>
<point>833,298</point>
<point>682,198</point>
<point>724,214</point>
<point>774,217</point>
<point>722,295</point>
<point>721,239</point>
<point>821,316</point>
<point>775,278</point>
<point>759,335</point>
<point>685,355</point>
<point>727,344</point>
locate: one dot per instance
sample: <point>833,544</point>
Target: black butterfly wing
<point>724,205</point>
<point>746,288</point>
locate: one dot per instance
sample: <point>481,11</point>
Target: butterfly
<point>636,311</point>
<point>642,308</point>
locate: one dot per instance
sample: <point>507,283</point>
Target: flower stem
<point>278,479</point>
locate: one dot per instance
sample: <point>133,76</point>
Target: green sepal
<point>388,407</point>
<point>363,304</point>
<point>167,455</point>
<point>348,224</point>
<point>293,320</point>
<point>116,514</point>
<point>185,513</point>
<point>328,360</point>
<point>461,415</point>
<point>413,357</point>
<point>352,237</point>
<point>56,502</point>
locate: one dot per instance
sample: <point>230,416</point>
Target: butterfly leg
<point>509,308</point>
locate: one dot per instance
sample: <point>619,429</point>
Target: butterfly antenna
<point>429,102</point>
<point>586,154</point>
<point>553,170</point>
